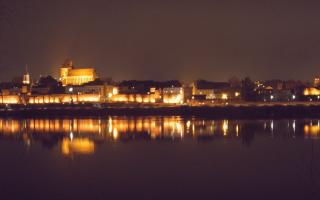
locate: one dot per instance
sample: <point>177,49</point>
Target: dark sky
<point>164,39</point>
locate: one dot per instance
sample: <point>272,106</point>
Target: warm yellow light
<point>153,90</point>
<point>225,127</point>
<point>9,99</point>
<point>115,91</point>
<point>115,134</point>
<point>236,94</point>
<point>64,98</point>
<point>312,131</point>
<point>77,145</point>
<point>237,130</point>
<point>188,124</point>
<point>224,96</point>
<point>173,99</point>
<point>139,99</point>
<point>311,91</point>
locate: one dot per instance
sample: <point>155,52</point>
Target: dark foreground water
<point>159,158</point>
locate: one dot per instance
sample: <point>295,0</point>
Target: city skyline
<point>162,40</point>
<point>157,99</point>
<point>56,74</point>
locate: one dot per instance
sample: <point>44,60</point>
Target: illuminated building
<point>69,75</point>
<point>135,93</point>
<point>26,77</point>
<point>173,95</point>
<point>209,90</point>
<point>63,98</point>
<point>170,92</point>
<point>98,87</point>
<point>311,92</point>
<point>9,99</point>
<point>25,89</point>
<point>200,90</point>
<point>136,98</point>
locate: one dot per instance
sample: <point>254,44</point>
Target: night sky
<point>164,39</point>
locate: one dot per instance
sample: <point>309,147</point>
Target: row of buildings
<point>83,85</point>
<point>76,85</point>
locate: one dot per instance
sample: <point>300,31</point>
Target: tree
<point>234,82</point>
<point>248,93</point>
<point>54,86</point>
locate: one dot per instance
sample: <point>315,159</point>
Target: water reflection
<point>79,136</point>
<point>78,145</point>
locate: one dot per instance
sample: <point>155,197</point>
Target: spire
<point>68,63</point>
<point>26,72</point>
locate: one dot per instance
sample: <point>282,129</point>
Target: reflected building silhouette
<point>248,134</point>
<point>77,146</point>
<point>312,130</point>
<point>79,135</point>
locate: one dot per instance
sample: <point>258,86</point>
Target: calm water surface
<point>159,158</point>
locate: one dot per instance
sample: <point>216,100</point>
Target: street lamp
<point>271,97</point>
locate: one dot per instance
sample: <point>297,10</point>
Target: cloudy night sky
<point>161,40</point>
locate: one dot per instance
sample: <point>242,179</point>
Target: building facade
<point>173,95</point>
<point>69,75</point>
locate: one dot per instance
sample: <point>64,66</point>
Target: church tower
<point>70,75</point>
<point>26,77</point>
<point>64,70</point>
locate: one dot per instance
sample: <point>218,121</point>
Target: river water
<point>159,158</point>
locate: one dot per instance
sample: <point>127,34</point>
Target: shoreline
<point>232,111</point>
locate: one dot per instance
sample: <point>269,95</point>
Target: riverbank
<point>245,110</point>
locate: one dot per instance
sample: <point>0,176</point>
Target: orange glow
<point>9,99</point>
<point>72,76</point>
<point>173,99</point>
<point>237,130</point>
<point>77,145</point>
<point>225,127</point>
<point>9,126</point>
<point>115,91</point>
<point>173,95</point>
<point>64,98</point>
<point>311,91</point>
<point>311,130</point>
<point>224,96</point>
<point>115,134</point>
<point>117,127</point>
<point>138,98</point>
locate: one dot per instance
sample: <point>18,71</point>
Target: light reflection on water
<point>147,157</point>
<point>80,135</point>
